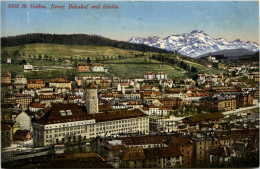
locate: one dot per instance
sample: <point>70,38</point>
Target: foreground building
<point>69,122</point>
<point>162,157</point>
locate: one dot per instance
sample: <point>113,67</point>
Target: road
<point>241,109</point>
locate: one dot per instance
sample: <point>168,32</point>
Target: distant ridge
<point>230,53</point>
<point>75,39</point>
<point>194,44</point>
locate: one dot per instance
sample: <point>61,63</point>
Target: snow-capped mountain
<point>194,43</point>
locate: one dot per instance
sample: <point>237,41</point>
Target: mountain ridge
<point>194,44</point>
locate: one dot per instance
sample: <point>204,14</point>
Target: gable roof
<point>203,117</point>
<point>138,153</point>
<point>162,152</point>
<point>54,114</point>
<point>133,154</point>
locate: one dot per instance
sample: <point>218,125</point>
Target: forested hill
<point>75,39</point>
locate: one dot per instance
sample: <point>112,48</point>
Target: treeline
<point>245,58</point>
<point>75,39</point>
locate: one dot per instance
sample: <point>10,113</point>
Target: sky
<point>229,19</point>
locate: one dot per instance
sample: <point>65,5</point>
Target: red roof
<point>91,86</point>
<point>54,115</point>
<point>59,80</point>
<point>37,105</point>
<point>37,81</point>
<point>162,152</point>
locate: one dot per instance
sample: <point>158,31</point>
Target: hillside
<point>61,60</point>
<point>74,39</point>
<point>57,51</point>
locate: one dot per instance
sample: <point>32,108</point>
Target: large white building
<point>69,122</point>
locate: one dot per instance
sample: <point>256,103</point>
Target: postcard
<point>129,84</point>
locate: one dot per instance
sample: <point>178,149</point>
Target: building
<point>24,121</point>
<point>212,59</point>
<point>218,103</point>
<point>202,118</point>
<point>35,84</point>
<point>185,146</point>
<point>8,60</point>
<point>98,67</point>
<point>27,67</point>
<point>22,135</point>
<point>51,98</point>
<point>34,107</point>
<point>162,157</point>
<point>161,76</point>
<point>91,99</point>
<point>171,103</point>
<point>83,67</point>
<point>6,77</point>
<point>69,122</point>
<point>6,135</point>
<point>154,110</point>
<point>148,96</point>
<point>149,76</point>
<point>60,83</point>
<point>221,155</point>
<point>20,80</point>
<point>23,99</point>
<point>244,100</point>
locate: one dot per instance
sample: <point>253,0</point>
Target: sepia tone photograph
<point>129,84</point>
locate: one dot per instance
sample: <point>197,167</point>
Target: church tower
<point>91,99</point>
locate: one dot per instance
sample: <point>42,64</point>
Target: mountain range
<point>194,44</point>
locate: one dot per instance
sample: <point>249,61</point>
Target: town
<point>152,121</point>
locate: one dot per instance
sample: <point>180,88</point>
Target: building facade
<point>60,83</point>
<point>69,122</point>
<point>218,103</point>
<point>35,84</point>
<point>6,77</point>
<point>91,99</point>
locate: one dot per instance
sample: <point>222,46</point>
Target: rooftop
<point>203,117</point>
<point>59,80</point>
<point>91,86</point>
<point>62,113</point>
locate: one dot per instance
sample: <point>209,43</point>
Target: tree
<point>193,69</point>
<point>79,144</point>
<point>40,57</point>
<point>23,62</point>
<point>88,60</point>
<point>16,53</point>
<point>195,77</point>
